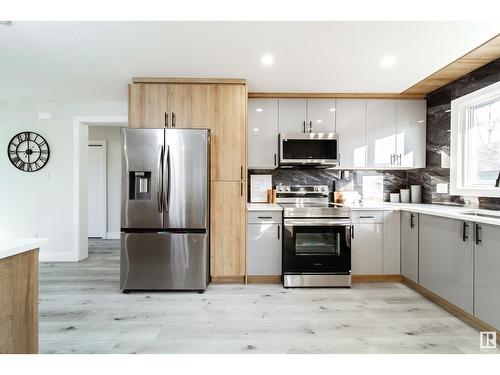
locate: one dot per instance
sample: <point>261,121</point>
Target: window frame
<point>461,117</point>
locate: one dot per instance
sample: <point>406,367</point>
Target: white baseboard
<point>56,256</point>
<point>113,235</point>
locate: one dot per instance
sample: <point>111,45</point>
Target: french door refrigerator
<point>165,209</point>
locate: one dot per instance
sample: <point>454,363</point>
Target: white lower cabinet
<point>487,274</point>
<point>367,243</point>
<point>446,258</point>
<point>264,244</point>
<point>409,245</point>
<point>391,258</point>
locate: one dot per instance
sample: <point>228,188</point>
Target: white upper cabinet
<point>292,115</point>
<point>381,133</point>
<point>262,133</point>
<point>320,116</point>
<point>351,127</point>
<point>410,133</point>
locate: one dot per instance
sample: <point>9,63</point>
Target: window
<point>475,143</point>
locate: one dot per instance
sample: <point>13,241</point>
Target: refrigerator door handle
<point>167,193</point>
<point>159,193</point>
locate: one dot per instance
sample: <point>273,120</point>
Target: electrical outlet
<point>442,188</point>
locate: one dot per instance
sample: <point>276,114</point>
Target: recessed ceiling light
<point>267,59</point>
<point>255,129</point>
<point>319,121</point>
<point>420,121</point>
<point>388,61</point>
<point>259,109</point>
<point>332,109</point>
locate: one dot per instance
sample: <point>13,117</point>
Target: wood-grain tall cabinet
<point>219,105</point>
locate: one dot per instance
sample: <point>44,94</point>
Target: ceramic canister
<point>416,193</point>
<point>405,195</point>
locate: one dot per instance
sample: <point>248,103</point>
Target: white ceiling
<point>95,60</point>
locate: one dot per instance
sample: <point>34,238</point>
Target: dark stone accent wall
<point>393,180</point>
<point>438,134</point>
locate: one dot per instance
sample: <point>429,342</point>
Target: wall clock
<point>28,151</point>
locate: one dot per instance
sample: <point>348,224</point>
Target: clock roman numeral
<point>42,159</point>
<point>12,152</point>
<point>15,159</point>
<point>29,167</point>
<point>41,144</point>
<point>21,164</point>
<point>44,151</point>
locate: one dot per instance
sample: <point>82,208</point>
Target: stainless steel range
<point>316,238</point>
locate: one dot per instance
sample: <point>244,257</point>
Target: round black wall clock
<point>28,151</point>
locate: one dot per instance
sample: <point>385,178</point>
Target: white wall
<point>41,204</point>
<point>111,134</point>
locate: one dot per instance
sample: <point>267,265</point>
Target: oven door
<point>316,246</point>
<point>308,149</point>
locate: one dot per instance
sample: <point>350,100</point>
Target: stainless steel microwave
<point>320,149</point>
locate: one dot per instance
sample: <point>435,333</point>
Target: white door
<point>351,128</point>
<point>410,138</point>
<point>381,133</point>
<point>97,190</point>
<point>293,116</point>
<point>263,133</point>
<point>321,115</point>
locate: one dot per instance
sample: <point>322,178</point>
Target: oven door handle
<point>317,222</point>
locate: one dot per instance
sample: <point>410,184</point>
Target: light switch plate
<point>442,188</point>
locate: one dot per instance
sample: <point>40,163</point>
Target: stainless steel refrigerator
<point>165,209</point>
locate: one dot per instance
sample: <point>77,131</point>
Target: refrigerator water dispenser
<point>140,185</point>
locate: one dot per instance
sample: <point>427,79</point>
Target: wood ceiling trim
<point>482,55</point>
<point>238,81</point>
<point>315,95</point>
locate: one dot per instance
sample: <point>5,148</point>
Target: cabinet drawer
<point>367,217</point>
<point>264,217</point>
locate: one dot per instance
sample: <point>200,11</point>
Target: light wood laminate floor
<point>82,311</point>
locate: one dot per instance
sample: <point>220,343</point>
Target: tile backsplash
<point>364,182</point>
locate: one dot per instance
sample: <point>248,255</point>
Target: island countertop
<point>14,246</point>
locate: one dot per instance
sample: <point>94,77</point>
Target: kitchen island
<point>19,295</point>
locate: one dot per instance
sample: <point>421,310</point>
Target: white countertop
<point>452,212</point>
<point>14,246</point>
<point>264,207</point>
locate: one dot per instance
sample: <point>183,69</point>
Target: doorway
<point>97,186</point>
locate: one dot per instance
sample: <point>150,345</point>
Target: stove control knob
<point>316,188</point>
<point>323,189</point>
<point>287,188</point>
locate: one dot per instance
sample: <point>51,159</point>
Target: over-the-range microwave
<point>314,149</point>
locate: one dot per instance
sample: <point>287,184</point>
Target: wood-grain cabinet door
<point>229,133</point>
<point>190,105</point>
<point>148,105</point>
<point>227,228</point>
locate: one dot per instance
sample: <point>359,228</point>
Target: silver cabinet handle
<point>264,217</point>
<point>352,231</point>
<point>166,119</point>
<point>279,232</point>
<point>304,125</point>
<point>241,172</point>
<point>310,126</point>
<point>241,188</point>
<point>275,159</point>
<point>173,119</point>
<point>412,224</point>
<point>392,159</point>
<point>366,217</point>
<point>399,159</point>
